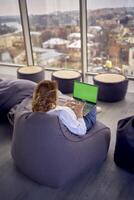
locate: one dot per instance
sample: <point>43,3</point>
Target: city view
<point>112,45</point>
<point>56,38</point>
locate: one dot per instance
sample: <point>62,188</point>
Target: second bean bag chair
<point>12,92</point>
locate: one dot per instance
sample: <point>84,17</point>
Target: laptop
<point>87,94</point>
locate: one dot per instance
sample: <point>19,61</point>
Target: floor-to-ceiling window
<point>11,37</point>
<point>110,36</point>
<point>55,33</point>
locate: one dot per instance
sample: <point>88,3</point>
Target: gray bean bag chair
<point>12,92</point>
<point>44,150</point>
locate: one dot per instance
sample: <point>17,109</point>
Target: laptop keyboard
<point>63,99</point>
<point>88,107</point>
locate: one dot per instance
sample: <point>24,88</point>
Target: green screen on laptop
<point>85,92</point>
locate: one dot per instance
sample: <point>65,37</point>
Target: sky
<point>10,7</point>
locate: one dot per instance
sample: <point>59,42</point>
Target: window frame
<point>28,44</point>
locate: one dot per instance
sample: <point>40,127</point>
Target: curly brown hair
<point>45,96</point>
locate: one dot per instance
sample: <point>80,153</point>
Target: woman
<point>45,99</point>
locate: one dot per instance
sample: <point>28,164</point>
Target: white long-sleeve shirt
<point>69,119</point>
<point>65,114</point>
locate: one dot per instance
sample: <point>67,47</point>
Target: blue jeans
<point>90,118</point>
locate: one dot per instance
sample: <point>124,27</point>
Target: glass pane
<point>11,37</point>
<point>110,36</point>
<point>55,33</point>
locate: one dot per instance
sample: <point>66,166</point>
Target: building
<point>36,38</point>
<point>131,59</point>
<point>54,43</point>
<point>6,41</point>
<point>47,57</point>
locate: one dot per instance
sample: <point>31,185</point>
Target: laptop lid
<point>85,92</point>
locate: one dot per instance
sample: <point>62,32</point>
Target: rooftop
<point>54,41</point>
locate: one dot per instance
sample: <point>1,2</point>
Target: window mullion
<point>26,31</point>
<point>83,24</point>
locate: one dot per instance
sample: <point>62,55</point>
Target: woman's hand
<point>77,107</point>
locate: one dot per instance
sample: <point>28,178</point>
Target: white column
<point>26,31</point>
<point>83,25</point>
